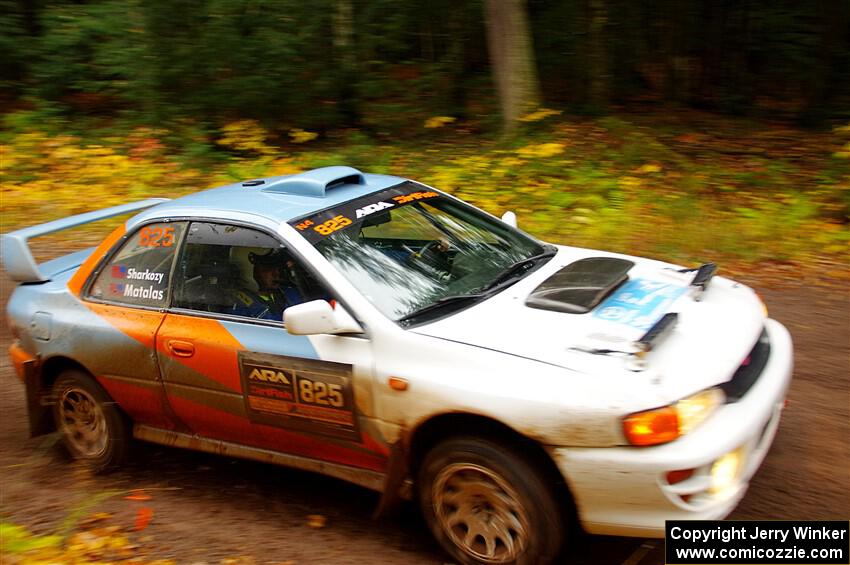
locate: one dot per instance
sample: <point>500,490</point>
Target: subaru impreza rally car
<point>428,350</point>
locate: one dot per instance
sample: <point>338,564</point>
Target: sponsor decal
<point>132,290</point>
<point>270,375</point>
<point>639,303</point>
<point>372,208</point>
<point>413,196</point>
<point>148,292</point>
<point>327,222</point>
<point>146,275</point>
<point>300,394</point>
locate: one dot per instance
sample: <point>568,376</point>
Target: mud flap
<point>38,406</point>
<point>393,493</point>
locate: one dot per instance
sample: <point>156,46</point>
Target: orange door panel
<point>123,358</point>
<point>259,386</point>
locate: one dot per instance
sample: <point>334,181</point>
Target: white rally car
<point>377,330</point>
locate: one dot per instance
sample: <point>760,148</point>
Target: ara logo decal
<point>268,375</point>
<point>372,208</point>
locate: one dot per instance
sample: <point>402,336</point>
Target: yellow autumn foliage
<point>540,114</point>
<point>579,184</point>
<point>541,150</point>
<point>44,177</point>
<point>247,136</point>
<point>649,168</point>
<point>299,135</point>
<point>844,152</point>
<point>97,546</point>
<point>438,121</point>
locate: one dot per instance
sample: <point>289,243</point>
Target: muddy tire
<point>486,503</point>
<point>92,427</point>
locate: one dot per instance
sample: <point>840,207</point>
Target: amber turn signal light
<point>652,427</point>
<point>397,383</point>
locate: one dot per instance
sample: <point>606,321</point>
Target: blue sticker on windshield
<point>639,303</point>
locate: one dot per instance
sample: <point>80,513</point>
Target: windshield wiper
<point>519,269</point>
<point>440,304</point>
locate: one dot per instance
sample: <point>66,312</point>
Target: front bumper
<point>624,490</point>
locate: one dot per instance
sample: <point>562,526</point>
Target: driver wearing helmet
<point>275,292</point>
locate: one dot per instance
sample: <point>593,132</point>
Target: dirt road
<point>208,508</point>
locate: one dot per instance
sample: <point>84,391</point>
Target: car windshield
<point>412,250</point>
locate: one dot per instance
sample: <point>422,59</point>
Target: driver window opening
<point>240,271</point>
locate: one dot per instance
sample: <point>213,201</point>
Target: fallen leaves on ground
<point>94,542</point>
<point>316,521</point>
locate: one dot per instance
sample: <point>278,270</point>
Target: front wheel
<point>92,427</point>
<point>487,504</point>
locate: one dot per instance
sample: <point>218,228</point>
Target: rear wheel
<point>92,427</point>
<point>487,504</point>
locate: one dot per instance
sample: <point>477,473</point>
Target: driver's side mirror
<point>509,218</point>
<point>319,317</point>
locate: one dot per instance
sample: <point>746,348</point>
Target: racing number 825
<point>320,393</point>
<point>332,225</point>
<point>156,237</point>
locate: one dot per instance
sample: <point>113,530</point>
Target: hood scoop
<point>579,287</point>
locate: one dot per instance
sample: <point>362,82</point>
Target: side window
<point>239,271</point>
<point>139,274</point>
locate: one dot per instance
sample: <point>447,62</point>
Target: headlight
<point>661,425</point>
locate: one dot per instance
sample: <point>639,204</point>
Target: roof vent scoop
<point>315,183</point>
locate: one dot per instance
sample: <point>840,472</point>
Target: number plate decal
<point>300,394</point>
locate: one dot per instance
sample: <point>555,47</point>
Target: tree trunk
<point>597,56</point>
<point>343,42</point>
<point>512,59</point>
<point>822,79</point>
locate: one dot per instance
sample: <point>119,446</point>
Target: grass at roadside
<point>682,188</point>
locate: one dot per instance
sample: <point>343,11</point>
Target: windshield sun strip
<point>318,225</point>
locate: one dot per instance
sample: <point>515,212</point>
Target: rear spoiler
<point>17,256</point>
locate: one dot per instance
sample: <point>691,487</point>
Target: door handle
<point>181,348</point>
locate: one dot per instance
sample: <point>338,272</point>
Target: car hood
<point>713,334</point>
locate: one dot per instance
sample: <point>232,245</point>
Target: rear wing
<point>17,256</point>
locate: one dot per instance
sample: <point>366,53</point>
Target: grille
<point>749,371</point>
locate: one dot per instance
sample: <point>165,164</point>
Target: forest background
<point>686,130</point>
<point>689,130</point>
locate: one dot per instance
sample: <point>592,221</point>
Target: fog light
<point>680,475</point>
<point>725,472</point>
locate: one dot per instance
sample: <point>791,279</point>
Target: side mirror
<point>509,218</point>
<point>319,317</point>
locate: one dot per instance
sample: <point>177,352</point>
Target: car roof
<point>280,198</point>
